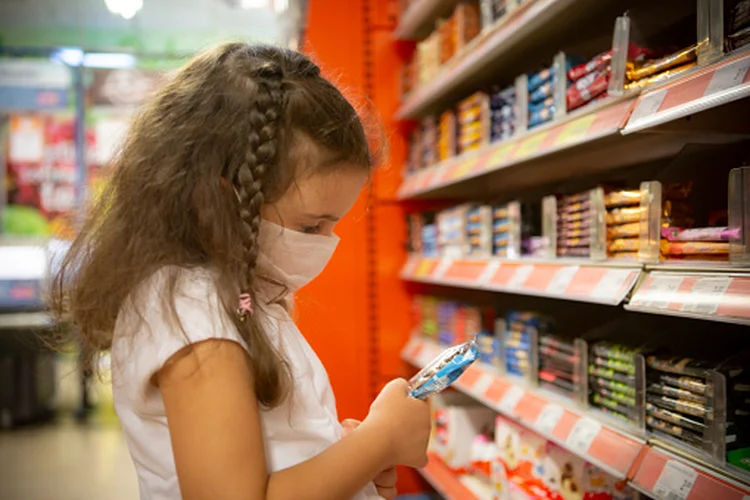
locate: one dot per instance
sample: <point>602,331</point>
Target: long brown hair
<point>220,140</point>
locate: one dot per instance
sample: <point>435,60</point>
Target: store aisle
<point>66,462</point>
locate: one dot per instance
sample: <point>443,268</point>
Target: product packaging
<point>443,370</point>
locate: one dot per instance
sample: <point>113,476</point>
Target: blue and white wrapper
<point>442,371</point>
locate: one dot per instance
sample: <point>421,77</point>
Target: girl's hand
<point>403,421</point>
<point>385,482</point>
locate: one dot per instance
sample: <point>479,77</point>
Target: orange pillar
<point>357,314</point>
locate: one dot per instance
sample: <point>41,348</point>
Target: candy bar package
<point>520,344</point>
<point>624,215</point>
<point>623,245</point>
<point>637,71</point>
<point>473,122</point>
<point>443,370</point>
<point>448,134</point>
<point>615,374</point>
<point>737,27</point>
<point>659,77</point>
<point>694,248</point>
<point>623,198</point>
<point>479,228</point>
<point>699,234</point>
<point>467,24</point>
<point>587,88</point>
<point>560,363</point>
<point>696,403</point>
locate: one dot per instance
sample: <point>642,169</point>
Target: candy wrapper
<point>442,371</point>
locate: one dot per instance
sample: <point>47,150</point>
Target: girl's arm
<point>215,429</point>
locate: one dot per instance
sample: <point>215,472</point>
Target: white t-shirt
<point>297,430</point>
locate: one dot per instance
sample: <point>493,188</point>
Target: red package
<point>602,60</point>
<point>587,88</point>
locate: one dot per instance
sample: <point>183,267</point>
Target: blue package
<point>542,116</point>
<point>534,107</point>
<point>540,78</point>
<point>442,371</point>
<point>543,92</point>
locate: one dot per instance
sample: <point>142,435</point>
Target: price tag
<point>561,280</point>
<point>489,272</point>
<point>510,399</point>
<point>574,130</point>
<point>500,154</point>
<point>531,145</point>
<point>610,284</point>
<point>706,294</point>
<point>728,76</point>
<point>424,268</point>
<point>675,481</point>
<point>520,276</point>
<point>442,266</point>
<point>648,105</point>
<point>549,418</point>
<point>662,291</point>
<point>583,434</point>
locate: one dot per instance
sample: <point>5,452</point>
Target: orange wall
<point>356,314</point>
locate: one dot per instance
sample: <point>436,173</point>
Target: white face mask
<point>293,257</point>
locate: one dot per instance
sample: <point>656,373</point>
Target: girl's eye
<point>311,229</point>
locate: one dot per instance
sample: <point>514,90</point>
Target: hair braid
<point>262,153</point>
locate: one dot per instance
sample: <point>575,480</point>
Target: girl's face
<point>316,202</point>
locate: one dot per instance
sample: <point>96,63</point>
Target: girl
<point>223,201</point>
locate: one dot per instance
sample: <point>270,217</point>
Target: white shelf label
<point>675,481</point>
<point>662,291</point>
<point>510,399</point>
<point>561,280</point>
<point>729,76</point>
<point>520,276</point>
<point>706,294</point>
<point>610,284</point>
<point>648,105</point>
<point>583,434</point>
<point>549,418</point>
<point>442,266</point>
<point>489,272</point>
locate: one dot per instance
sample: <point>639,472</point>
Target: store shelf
<point>531,20</point>
<point>663,475</point>
<point>718,84</point>
<point>25,320</point>
<point>717,295</point>
<point>596,123</point>
<point>447,483</point>
<point>580,281</point>
<point>600,443</point>
<point>418,20</point>
<point>653,471</point>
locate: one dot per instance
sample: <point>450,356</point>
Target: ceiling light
<point>125,8</point>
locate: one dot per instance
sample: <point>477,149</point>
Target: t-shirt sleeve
<point>149,331</point>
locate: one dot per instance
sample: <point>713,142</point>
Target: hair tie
<point>245,306</point>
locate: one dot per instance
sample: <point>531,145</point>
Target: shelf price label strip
<point>665,477</point>
<point>444,480</point>
<point>496,156</point>
<point>716,297</point>
<point>575,282</point>
<point>724,82</point>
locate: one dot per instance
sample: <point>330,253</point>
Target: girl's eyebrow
<point>329,217</point>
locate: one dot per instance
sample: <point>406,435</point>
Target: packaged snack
<point>587,88</point>
<point>540,116</point>
<point>675,418</point>
<point>680,366</point>
<point>616,352</point>
<point>693,248</point>
<point>610,403</point>
<point>664,75</point>
<point>443,370</point>
<point>695,409</point>
<point>574,242</point>
<point>566,217</point>
<point>699,233</point>
<point>579,206</point>
<point>598,62</point>
<point>556,384</point>
<point>624,215</point>
<point>610,374</point>
<point>738,39</point>
<point>541,93</point>
<point>573,252</point>
<point>695,385</point>
<point>631,229</point>
<point>574,224</point>
<point>615,364</point>
<point>674,430</point>
<point>676,392</point>
<point>575,198</point>
<point>574,233</point>
<point>620,397</point>
<point>535,80</point>
<point>623,245</point>
<point>739,16</point>
<point>636,70</point>
<point>558,354</point>
<point>623,198</point>
<point>612,385</point>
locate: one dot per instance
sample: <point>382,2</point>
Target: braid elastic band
<point>245,306</point>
